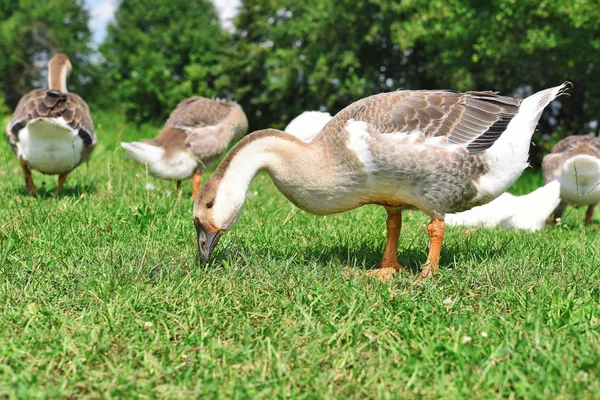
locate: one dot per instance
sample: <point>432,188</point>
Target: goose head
<point>217,207</point>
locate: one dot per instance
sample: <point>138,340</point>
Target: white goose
<point>51,130</point>
<point>437,151</point>
<point>575,163</point>
<point>196,134</point>
<point>528,212</point>
<point>308,125</point>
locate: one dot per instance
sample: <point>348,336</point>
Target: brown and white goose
<point>436,151</point>
<point>575,163</point>
<point>196,134</point>
<point>51,130</point>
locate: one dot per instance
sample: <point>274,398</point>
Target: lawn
<point>101,295</point>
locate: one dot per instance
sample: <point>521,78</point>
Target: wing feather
<point>42,103</point>
<point>472,119</point>
<point>197,112</point>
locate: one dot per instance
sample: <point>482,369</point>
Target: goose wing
<point>472,119</point>
<point>53,104</point>
<point>198,112</point>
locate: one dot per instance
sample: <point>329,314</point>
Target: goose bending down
<point>308,124</point>
<point>575,163</point>
<point>437,151</point>
<point>528,212</point>
<point>51,130</point>
<point>196,134</point>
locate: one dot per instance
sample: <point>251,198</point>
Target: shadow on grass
<point>412,259</point>
<point>47,191</point>
<point>365,257</point>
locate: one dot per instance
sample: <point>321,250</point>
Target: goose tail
<point>534,105</point>
<point>142,152</point>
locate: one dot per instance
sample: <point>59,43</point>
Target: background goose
<point>528,212</point>
<point>575,163</point>
<point>308,125</point>
<point>51,130</point>
<point>196,134</point>
<point>437,151</point>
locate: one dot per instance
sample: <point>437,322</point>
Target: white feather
<point>357,141</point>
<point>181,166</point>
<point>308,124</point>
<point>508,155</point>
<point>580,180</point>
<point>528,212</point>
<point>50,145</point>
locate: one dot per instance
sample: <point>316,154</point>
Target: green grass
<point>101,295</point>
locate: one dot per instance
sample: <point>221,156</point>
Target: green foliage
<point>31,32</point>
<point>157,53</point>
<point>288,56</point>
<point>514,47</point>
<point>102,296</point>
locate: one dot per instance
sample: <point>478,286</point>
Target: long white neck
<point>253,157</point>
<point>290,163</point>
<point>57,76</point>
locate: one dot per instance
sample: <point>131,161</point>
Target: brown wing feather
<point>570,142</point>
<point>473,119</point>
<point>43,103</point>
<point>198,112</point>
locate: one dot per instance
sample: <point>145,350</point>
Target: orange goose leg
<point>389,263</point>
<point>589,213</point>
<point>61,181</point>
<point>196,180</point>
<point>28,178</point>
<point>435,228</point>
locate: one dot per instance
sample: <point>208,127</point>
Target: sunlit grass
<point>102,294</point>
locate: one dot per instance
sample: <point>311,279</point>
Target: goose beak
<point>208,237</point>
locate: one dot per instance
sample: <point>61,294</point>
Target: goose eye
<point>209,204</point>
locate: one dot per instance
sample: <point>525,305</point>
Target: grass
<point>101,295</point>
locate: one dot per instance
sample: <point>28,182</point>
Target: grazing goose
<point>196,134</point>
<point>51,130</point>
<point>308,124</point>
<point>575,163</point>
<point>437,151</point>
<point>528,212</point>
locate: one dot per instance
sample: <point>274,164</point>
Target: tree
<point>31,32</point>
<point>515,47</point>
<point>288,56</point>
<point>158,52</point>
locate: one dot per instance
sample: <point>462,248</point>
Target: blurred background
<point>278,58</point>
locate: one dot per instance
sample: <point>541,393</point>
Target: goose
<point>51,130</point>
<point>575,163</point>
<point>196,134</point>
<point>438,151</point>
<point>528,212</point>
<point>308,124</point>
